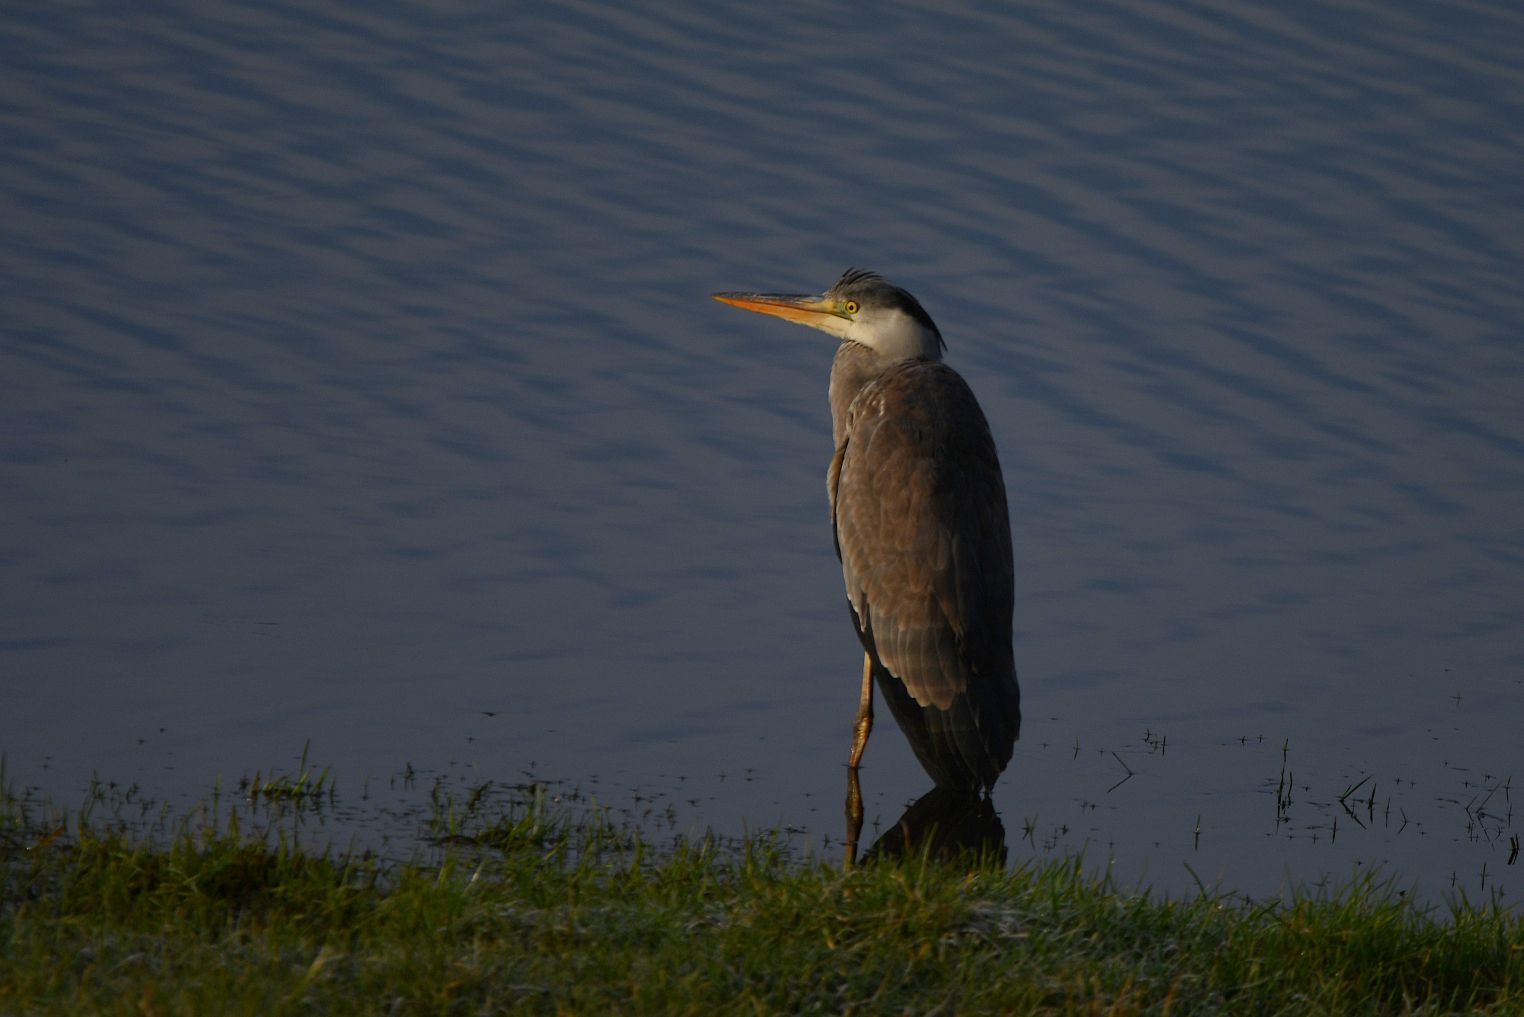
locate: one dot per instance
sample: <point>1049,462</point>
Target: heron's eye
<point>851,307</point>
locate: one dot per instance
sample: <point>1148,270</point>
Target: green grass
<point>526,907</point>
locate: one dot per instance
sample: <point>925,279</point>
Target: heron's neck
<point>855,366</point>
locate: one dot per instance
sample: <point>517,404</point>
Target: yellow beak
<point>806,310</point>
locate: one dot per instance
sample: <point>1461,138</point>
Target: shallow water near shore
<point>359,387</point>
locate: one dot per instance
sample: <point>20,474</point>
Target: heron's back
<point>919,511</point>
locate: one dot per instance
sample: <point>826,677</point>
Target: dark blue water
<point>359,385</point>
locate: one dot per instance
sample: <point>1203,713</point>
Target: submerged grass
<point>531,909</point>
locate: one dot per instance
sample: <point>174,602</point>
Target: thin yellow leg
<point>864,724</point>
<point>854,818</point>
<point>860,731</point>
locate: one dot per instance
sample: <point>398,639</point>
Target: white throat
<point>891,333</point>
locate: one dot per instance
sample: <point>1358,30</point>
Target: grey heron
<point>918,508</point>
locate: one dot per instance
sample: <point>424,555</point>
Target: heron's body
<point>918,510</point>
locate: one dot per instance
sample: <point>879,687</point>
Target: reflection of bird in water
<point>919,512</point>
<point>945,824</point>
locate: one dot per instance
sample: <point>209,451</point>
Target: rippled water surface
<point>359,386</point>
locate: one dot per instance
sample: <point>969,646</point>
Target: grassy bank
<point>524,909</point>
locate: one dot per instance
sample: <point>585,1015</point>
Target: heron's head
<point>863,308</point>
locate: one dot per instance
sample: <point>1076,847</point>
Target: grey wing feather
<point>919,512</point>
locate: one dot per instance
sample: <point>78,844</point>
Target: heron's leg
<point>860,731</point>
<point>864,724</point>
<point>854,818</point>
